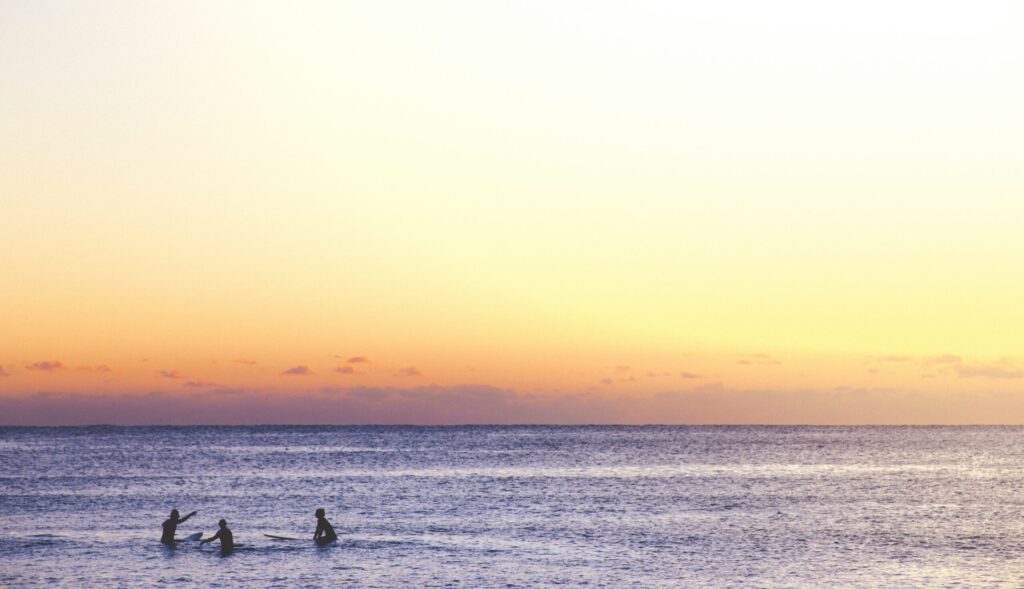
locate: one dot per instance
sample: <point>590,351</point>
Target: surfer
<point>227,539</point>
<point>171,526</point>
<point>324,530</point>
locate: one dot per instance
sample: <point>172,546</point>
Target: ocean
<point>597,506</point>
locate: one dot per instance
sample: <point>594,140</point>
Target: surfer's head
<point>174,514</point>
<point>320,512</point>
<point>223,523</point>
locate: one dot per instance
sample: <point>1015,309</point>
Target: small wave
<point>43,536</point>
<point>42,542</point>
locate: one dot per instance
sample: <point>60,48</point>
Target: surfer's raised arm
<point>171,526</point>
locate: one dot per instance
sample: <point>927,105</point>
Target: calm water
<point>517,506</point>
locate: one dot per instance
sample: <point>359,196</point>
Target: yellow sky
<point>555,198</point>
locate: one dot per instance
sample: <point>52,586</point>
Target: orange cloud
<point>895,358</point>
<point>244,361</point>
<point>996,372</point>
<point>97,368</point>
<point>762,359</point>
<point>298,371</point>
<point>172,374</point>
<point>4,372</point>
<point>410,371</point>
<point>345,370</point>
<point>47,366</point>
<point>198,384</point>
<point>688,375</point>
<point>358,360</point>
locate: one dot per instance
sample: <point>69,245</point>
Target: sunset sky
<point>490,212</point>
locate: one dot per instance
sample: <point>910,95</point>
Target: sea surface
<point>517,506</point>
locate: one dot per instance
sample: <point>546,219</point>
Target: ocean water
<point>517,506</point>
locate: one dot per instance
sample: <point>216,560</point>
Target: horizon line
<point>510,425</point>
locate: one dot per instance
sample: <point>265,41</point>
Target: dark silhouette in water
<point>171,526</point>
<point>324,531</point>
<point>227,539</point>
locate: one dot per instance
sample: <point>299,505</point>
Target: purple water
<point>516,506</point>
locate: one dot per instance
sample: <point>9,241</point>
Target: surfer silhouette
<point>171,526</point>
<point>227,539</point>
<point>324,530</point>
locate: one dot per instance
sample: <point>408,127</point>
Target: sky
<point>511,212</point>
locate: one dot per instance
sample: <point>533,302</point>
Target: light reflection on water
<point>530,506</point>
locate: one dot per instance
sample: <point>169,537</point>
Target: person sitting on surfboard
<point>324,530</point>
<point>171,526</point>
<point>227,539</point>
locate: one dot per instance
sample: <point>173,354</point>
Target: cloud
<point>411,371</point>
<point>97,368</point>
<point>244,361</point>
<point>358,360</point>
<point>996,372</point>
<point>3,372</point>
<point>926,361</point>
<point>765,359</point>
<point>172,374</point>
<point>760,359</point>
<point>47,366</point>
<point>298,371</point>
<point>198,384</point>
<point>607,381</point>
<point>345,370</point>
<point>688,375</point>
<point>622,368</point>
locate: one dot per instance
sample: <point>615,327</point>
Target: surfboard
<point>192,538</point>
<point>273,537</point>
